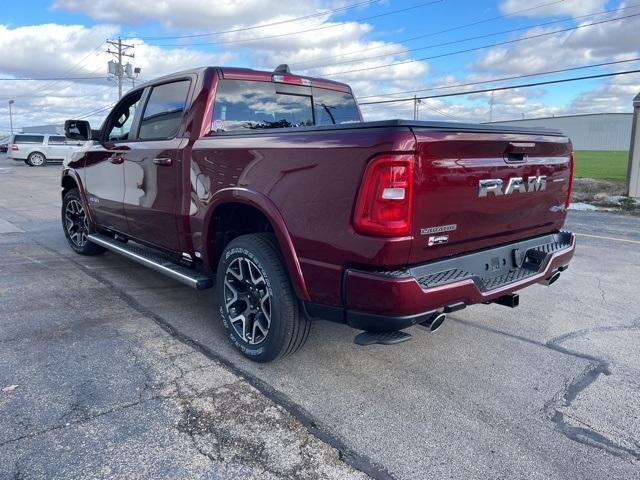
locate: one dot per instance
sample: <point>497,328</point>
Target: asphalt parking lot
<point>121,372</point>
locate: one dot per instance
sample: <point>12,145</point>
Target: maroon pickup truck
<point>270,187</point>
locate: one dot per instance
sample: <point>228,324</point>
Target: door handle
<point>163,161</point>
<point>116,160</point>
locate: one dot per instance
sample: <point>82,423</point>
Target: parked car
<point>37,150</point>
<point>270,187</point>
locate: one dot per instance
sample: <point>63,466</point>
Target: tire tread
<point>294,328</point>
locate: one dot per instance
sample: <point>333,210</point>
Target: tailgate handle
<point>518,151</point>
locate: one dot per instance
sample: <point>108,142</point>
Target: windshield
<point>250,105</point>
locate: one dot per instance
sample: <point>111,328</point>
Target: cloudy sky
<point>379,47</point>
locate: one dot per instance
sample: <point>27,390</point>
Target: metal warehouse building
<point>598,131</point>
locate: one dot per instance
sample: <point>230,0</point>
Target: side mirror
<point>78,130</point>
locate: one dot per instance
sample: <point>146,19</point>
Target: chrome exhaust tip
<point>552,279</point>
<point>435,322</point>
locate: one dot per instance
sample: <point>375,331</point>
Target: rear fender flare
<point>273,215</point>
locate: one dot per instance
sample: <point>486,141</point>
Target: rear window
<point>333,108</point>
<point>248,105</point>
<point>57,140</point>
<point>28,139</point>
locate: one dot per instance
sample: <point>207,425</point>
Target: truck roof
<point>239,73</point>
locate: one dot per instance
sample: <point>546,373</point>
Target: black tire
<point>37,159</point>
<point>264,272</point>
<point>75,225</point>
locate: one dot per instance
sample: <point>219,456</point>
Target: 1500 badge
<point>438,239</point>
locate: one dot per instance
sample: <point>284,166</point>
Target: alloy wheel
<point>37,159</point>
<point>247,300</point>
<point>76,222</point>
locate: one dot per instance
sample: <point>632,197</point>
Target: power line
<point>437,110</point>
<point>497,44</point>
<point>305,66</point>
<point>94,112</point>
<point>50,78</point>
<point>324,27</point>
<point>515,77</point>
<point>74,67</point>
<point>432,34</point>
<point>281,22</point>
<point>497,89</point>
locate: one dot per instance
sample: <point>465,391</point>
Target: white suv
<point>38,149</point>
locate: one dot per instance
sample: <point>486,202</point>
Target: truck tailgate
<point>474,190</point>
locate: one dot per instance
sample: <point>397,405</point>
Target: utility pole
<point>416,103</point>
<point>491,108</point>
<point>633,170</point>
<point>121,51</point>
<point>11,102</point>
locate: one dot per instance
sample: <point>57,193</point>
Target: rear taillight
<point>572,161</point>
<point>14,147</point>
<point>385,200</point>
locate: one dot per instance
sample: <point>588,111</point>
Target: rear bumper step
<point>384,301</point>
<point>154,260</point>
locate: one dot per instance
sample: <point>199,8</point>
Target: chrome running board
<point>154,260</point>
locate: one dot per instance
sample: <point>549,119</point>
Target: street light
<point>11,102</point>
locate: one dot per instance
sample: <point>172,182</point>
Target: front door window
<point>121,119</point>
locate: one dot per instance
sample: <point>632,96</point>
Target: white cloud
<point>616,95</point>
<point>56,50</point>
<point>200,14</point>
<point>249,47</point>
<point>563,7</point>
<point>51,50</point>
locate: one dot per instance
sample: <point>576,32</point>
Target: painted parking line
<point>615,239</point>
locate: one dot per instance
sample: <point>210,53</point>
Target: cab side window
<point>121,119</point>
<point>163,114</point>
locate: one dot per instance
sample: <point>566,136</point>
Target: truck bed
<point>411,124</point>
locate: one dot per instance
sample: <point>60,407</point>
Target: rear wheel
<point>37,159</point>
<point>76,225</point>
<point>257,304</point>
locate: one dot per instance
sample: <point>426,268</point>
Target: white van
<point>37,149</point>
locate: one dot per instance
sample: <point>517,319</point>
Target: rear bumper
<point>396,299</point>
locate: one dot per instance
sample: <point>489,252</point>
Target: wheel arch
<point>258,208</point>
<point>70,180</point>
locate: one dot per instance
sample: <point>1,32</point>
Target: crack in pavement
<point>597,366</point>
<point>349,456</point>
<point>53,428</point>
<point>566,396</point>
<point>602,292</point>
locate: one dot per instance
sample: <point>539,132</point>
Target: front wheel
<point>76,225</point>
<point>256,301</point>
